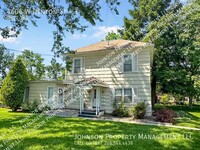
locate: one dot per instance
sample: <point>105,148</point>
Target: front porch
<point>94,87</point>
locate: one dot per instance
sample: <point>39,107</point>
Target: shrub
<point>45,108</point>
<point>139,110</point>
<point>120,110</point>
<point>165,115</point>
<point>165,98</point>
<point>14,84</point>
<point>31,106</point>
<point>158,106</point>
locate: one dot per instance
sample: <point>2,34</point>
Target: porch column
<point>98,100</point>
<point>81,100</point>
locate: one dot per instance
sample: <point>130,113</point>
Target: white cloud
<point>78,36</point>
<point>10,39</point>
<point>102,31</point>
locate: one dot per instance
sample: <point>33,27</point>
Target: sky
<point>40,39</point>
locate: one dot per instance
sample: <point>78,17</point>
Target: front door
<point>60,102</point>
<point>94,97</point>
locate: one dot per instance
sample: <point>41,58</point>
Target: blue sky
<point>40,39</point>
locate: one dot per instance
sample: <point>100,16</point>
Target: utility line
<point>23,51</point>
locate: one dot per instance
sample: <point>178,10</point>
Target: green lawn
<point>188,117</point>
<point>59,134</point>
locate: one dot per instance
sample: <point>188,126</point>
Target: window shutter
<point>120,64</point>
<point>135,94</point>
<point>135,62</point>
<point>83,64</point>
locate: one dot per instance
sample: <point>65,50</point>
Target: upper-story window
<point>130,63</point>
<point>127,63</point>
<point>77,65</point>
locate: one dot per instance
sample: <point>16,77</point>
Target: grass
<point>188,117</point>
<point>59,134</point>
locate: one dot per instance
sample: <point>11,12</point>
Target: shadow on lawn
<point>59,134</point>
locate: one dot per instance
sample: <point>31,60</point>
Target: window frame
<point>48,93</point>
<point>134,96</point>
<point>134,63</point>
<point>81,65</point>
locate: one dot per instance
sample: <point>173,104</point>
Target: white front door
<point>95,101</point>
<point>60,102</point>
<point>94,97</point>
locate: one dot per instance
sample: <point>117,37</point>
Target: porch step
<point>88,115</point>
<point>91,113</point>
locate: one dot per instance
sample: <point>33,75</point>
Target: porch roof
<point>92,81</point>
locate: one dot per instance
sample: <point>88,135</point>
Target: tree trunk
<point>190,102</point>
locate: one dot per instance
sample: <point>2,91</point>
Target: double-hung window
<point>118,95</point>
<point>127,63</point>
<point>126,94</point>
<point>77,65</point>
<point>50,94</point>
<point>130,63</point>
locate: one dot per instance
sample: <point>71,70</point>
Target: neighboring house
<point>101,73</point>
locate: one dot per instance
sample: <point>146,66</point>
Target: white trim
<point>134,63</point>
<point>48,93</point>
<point>127,87</point>
<point>81,64</point>
<point>62,95</point>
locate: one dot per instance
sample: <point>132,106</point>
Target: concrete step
<point>88,115</point>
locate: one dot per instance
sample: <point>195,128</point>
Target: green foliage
<point>158,106</point>
<point>176,36</point>
<point>34,64</point>
<point>143,12</point>
<point>14,85</point>
<point>165,98</point>
<point>64,21</point>
<point>31,106</point>
<point>120,110</point>
<point>55,70</point>
<point>112,36</point>
<point>6,60</point>
<point>139,110</point>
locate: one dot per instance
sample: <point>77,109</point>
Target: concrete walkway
<point>74,113</point>
<point>143,122</point>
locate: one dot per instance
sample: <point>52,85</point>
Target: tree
<point>144,11</point>
<point>34,64</point>
<point>136,28</point>
<point>14,85</point>
<point>64,15</point>
<point>55,70</point>
<point>6,60</point>
<point>177,59</point>
<point>112,36</point>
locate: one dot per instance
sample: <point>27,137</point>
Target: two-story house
<point>101,74</point>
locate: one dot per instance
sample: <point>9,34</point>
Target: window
<point>118,95</point>
<point>26,94</point>
<point>130,62</point>
<point>77,65</point>
<point>127,63</point>
<point>50,94</point>
<point>128,95</point>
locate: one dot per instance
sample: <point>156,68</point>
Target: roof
<point>104,45</point>
<point>92,81</point>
